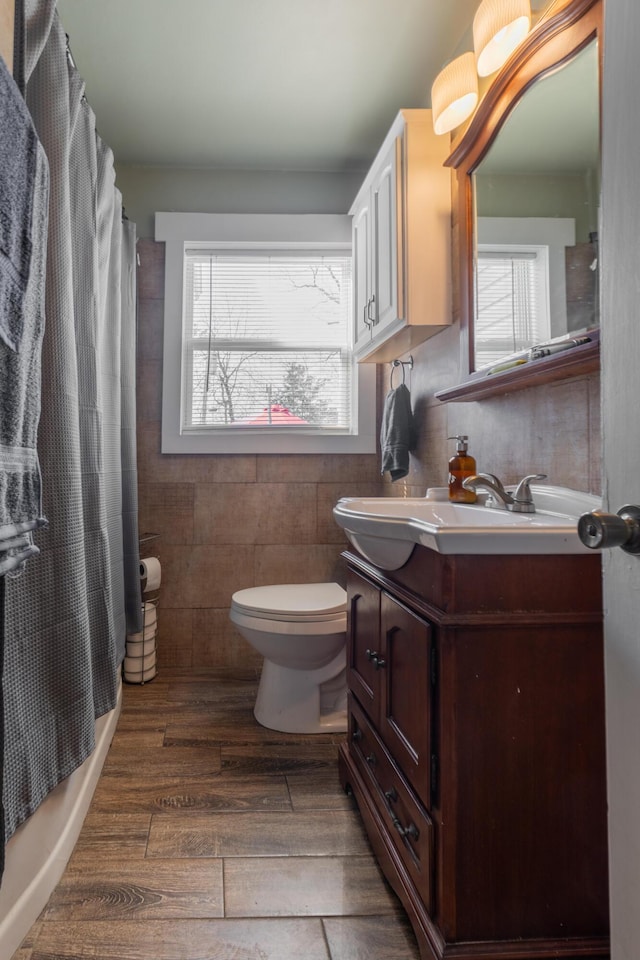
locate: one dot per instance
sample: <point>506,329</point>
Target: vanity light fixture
<point>499,26</point>
<point>454,93</point>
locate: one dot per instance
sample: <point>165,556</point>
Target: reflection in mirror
<point>536,194</point>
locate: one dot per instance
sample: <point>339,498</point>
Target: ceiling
<point>258,84</point>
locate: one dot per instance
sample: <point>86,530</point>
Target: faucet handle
<point>491,476</point>
<point>522,493</point>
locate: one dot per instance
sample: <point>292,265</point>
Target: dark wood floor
<point>212,838</point>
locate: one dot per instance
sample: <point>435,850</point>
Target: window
<point>258,337</point>
<point>512,301</point>
<point>520,283</point>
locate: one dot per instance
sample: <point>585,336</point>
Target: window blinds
<point>508,315</point>
<point>267,340</point>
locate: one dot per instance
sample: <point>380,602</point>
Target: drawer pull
<point>391,795</point>
<point>375,658</point>
<point>356,735</point>
<point>371,760</point>
<point>410,831</point>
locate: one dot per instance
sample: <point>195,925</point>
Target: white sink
<point>385,530</point>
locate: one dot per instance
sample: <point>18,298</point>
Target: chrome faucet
<point>520,501</point>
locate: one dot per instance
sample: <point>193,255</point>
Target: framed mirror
<point>528,174</point>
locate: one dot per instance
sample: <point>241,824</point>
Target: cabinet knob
<point>356,735</point>
<point>371,760</point>
<point>391,795</point>
<point>374,657</point>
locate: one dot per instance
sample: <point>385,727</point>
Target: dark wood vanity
<point>476,743</point>
<point>476,749</point>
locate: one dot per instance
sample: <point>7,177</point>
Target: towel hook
<point>403,364</point>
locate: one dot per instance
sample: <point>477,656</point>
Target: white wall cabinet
<point>402,242</point>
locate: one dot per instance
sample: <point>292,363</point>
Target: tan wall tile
<point>595,437</point>
<point>150,329</point>
<point>217,642</point>
<point>167,509</point>
<point>255,513</point>
<point>203,576</point>
<point>156,467</point>
<point>294,468</point>
<point>174,644</point>
<point>290,564</point>
<point>328,496</point>
<point>149,390</point>
<point>150,278</point>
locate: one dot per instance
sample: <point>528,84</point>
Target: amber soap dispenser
<point>461,466</point>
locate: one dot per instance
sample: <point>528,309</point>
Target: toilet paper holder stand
<point>148,597</point>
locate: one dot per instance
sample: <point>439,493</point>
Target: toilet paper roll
<point>140,677</point>
<point>139,648</point>
<point>139,665</point>
<point>150,572</point>
<point>149,613</point>
<point>147,634</point>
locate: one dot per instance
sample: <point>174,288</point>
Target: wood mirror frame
<point>563,30</point>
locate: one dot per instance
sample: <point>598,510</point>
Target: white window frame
<point>179,231</point>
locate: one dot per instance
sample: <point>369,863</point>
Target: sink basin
<point>385,530</point>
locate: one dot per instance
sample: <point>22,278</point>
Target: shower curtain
<point>66,617</point>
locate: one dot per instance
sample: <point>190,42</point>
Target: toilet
<point>300,630</point>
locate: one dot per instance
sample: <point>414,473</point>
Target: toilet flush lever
<point>599,530</point>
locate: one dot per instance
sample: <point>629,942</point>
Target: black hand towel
<point>397,432</point>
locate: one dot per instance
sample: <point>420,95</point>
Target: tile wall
<point>228,522</point>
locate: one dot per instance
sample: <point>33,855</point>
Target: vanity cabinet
<point>401,231</point>
<point>476,749</point>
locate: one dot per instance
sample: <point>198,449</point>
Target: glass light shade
<point>454,93</point>
<point>499,26</point>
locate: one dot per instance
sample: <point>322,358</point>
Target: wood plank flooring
<point>212,838</point>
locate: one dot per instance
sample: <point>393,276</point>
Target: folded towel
<point>15,553</point>
<point>397,432</point>
<point>21,341</point>
<point>18,158</point>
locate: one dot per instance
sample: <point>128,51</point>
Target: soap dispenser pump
<point>461,466</point>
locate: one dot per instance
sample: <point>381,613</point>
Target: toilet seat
<point>293,602</point>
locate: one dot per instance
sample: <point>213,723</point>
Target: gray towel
<point>20,359</point>
<point>397,432</point>
<point>18,157</point>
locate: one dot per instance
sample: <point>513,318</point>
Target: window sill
<point>575,362</point>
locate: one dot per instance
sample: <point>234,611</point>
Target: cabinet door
<point>363,305</point>
<point>364,656</point>
<point>387,239</point>
<point>408,679</point>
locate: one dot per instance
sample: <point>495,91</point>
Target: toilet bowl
<point>300,630</point>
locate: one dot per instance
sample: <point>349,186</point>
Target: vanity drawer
<point>407,823</point>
